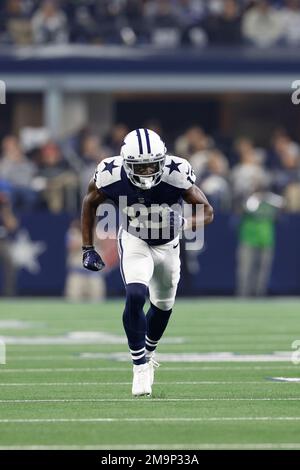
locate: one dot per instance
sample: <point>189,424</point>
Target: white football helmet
<point>144,155</point>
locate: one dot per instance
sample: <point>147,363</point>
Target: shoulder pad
<point>178,172</point>
<point>108,171</point>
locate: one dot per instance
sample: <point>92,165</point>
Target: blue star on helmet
<point>110,166</point>
<point>173,166</point>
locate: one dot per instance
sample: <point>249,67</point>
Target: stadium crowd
<point>53,176</point>
<point>162,23</point>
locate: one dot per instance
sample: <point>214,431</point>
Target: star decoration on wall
<point>110,166</point>
<point>25,252</point>
<point>173,166</point>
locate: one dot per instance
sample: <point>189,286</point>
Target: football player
<point>152,182</point>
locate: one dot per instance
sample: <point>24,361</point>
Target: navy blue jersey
<point>145,213</point>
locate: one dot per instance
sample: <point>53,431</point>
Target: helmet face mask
<point>143,169</point>
<point>145,175</point>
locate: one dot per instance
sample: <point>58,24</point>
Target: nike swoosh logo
<point>176,246</point>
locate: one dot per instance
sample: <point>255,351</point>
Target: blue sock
<point>157,321</point>
<point>134,321</point>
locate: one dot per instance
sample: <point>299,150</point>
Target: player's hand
<point>176,221</point>
<point>92,260</point>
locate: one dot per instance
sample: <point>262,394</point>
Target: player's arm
<point>195,196</point>
<point>91,259</point>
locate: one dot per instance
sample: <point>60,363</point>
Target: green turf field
<point>61,388</point>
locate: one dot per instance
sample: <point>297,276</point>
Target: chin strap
<point>146,182</point>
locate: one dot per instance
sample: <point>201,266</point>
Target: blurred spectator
<point>291,22</point>
<point>83,27</point>
<point>263,25</point>
<point>248,175</point>
<point>16,28</point>
<point>49,24</point>
<point>256,242</point>
<point>60,184</point>
<point>110,20</point>
<point>17,170</point>
<point>215,182</point>
<point>51,162</point>
<point>286,178</point>
<point>137,27</point>
<point>194,145</point>
<point>92,153</point>
<point>8,224</point>
<point>283,144</point>
<point>191,14</point>
<point>225,28</point>
<point>164,22</point>
<point>116,138</point>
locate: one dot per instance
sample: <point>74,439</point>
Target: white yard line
<point>73,369</point>
<point>67,384</point>
<point>262,446</point>
<point>284,361</point>
<point>136,401</point>
<point>183,369</point>
<point>154,420</point>
<point>43,358</point>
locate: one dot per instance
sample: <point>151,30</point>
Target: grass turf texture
<point>52,397</point>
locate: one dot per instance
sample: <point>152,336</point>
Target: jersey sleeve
<point>108,172</point>
<point>179,173</point>
<point>190,176</point>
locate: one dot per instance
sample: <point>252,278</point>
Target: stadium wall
<point>43,267</point>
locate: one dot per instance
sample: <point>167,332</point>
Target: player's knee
<point>164,304</point>
<point>136,295</point>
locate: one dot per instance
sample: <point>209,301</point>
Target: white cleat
<point>152,366</point>
<point>141,384</point>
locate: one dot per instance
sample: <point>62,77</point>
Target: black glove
<point>91,259</point>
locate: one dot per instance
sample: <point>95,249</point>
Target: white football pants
<point>158,267</point>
